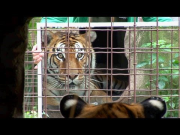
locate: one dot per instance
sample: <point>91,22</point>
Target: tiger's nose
<point>72,77</point>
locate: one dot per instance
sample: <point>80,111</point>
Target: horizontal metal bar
<point>109,24</point>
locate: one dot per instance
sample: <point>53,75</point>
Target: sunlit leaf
<point>172,105</point>
<point>161,59</point>
<point>176,55</point>
<point>142,64</point>
<point>146,45</point>
<point>163,78</point>
<point>161,42</point>
<point>161,84</point>
<point>166,99</point>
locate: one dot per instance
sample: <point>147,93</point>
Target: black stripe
<point>53,48</point>
<point>101,81</point>
<point>50,65</point>
<point>104,112</point>
<point>50,61</point>
<point>72,37</point>
<point>91,60</point>
<point>121,84</point>
<point>109,84</point>
<point>52,57</point>
<point>53,93</point>
<point>97,77</point>
<point>130,113</point>
<point>111,108</point>
<point>115,83</point>
<point>118,108</point>
<point>48,72</point>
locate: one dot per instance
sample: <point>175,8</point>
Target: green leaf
<point>161,42</point>
<point>161,84</point>
<point>175,77</point>
<point>154,44</point>
<point>146,45</point>
<point>175,63</point>
<point>153,61</point>
<point>161,59</point>
<point>176,55</point>
<point>166,48</point>
<point>163,78</point>
<point>27,113</point>
<point>154,56</point>
<point>35,108</point>
<point>142,64</point>
<point>172,105</point>
<point>166,99</point>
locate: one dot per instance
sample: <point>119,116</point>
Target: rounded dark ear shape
<point>91,34</point>
<point>71,106</point>
<point>154,107</point>
<point>49,35</point>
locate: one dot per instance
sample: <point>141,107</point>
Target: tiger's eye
<point>60,55</point>
<point>79,55</point>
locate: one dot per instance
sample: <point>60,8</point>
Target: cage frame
<point>84,25</point>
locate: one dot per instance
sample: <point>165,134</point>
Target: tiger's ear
<point>48,34</point>
<point>71,106</point>
<point>91,34</point>
<point>154,107</point>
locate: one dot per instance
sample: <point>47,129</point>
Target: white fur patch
<point>79,49</point>
<point>156,103</point>
<point>70,103</point>
<point>60,49</point>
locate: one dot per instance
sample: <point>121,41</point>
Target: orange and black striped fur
<point>70,62</point>
<point>72,106</point>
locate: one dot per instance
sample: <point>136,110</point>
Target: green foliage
<point>31,114</point>
<point>30,75</point>
<point>168,70</point>
<point>32,33</point>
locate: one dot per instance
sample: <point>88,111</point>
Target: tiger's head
<point>69,57</point>
<point>73,106</point>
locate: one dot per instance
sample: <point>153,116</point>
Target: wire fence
<point>143,58</point>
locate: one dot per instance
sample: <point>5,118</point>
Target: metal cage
<point>145,54</point>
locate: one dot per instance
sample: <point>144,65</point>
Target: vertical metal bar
<point>130,52</point>
<point>45,68</point>
<point>179,61</point>
<point>171,70</point>
<point>157,58</point>
<point>89,64</point>
<point>107,69</point>
<point>135,60</point>
<point>67,86</point>
<point>86,78</point>
<point>151,64</point>
<point>112,22</point>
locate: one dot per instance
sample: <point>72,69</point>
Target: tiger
<point>69,57</point>
<point>73,106</point>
